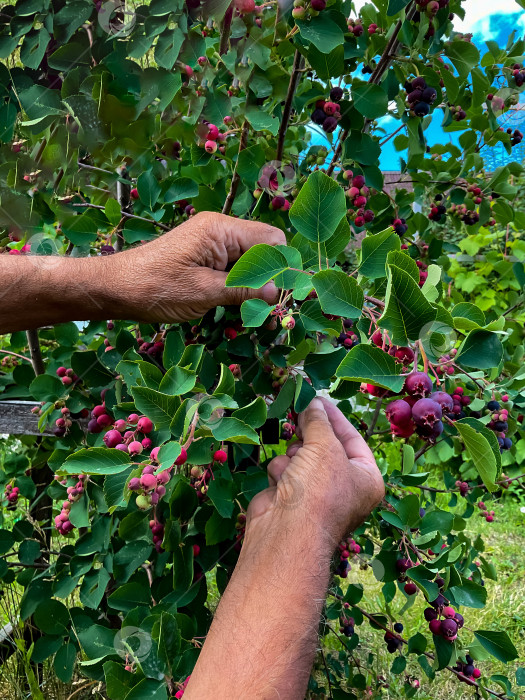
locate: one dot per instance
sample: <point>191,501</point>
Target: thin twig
<point>234,185</point>
<point>126,214</point>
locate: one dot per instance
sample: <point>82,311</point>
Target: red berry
<point>61,371</point>
<point>145,425</point>
<point>410,588</point>
<point>134,194</point>
<point>399,412</point>
<point>435,627</point>
<point>230,333</point>
<point>418,384</point>
<point>426,412</point>
<point>220,456</point>
<point>181,459</point>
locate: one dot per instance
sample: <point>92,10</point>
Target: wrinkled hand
<point>181,275</point>
<point>328,478</point>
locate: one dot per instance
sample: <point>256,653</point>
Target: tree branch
<point>34,349</point>
<point>234,186</point>
<point>298,62</point>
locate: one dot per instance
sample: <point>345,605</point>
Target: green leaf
<point>469,594</point>
<point>93,588</point>
<point>374,252</point>
<point>129,558</point>
<point>52,617</point>
<point>463,54</point>
<point>95,460</point>
<point>318,208</point>
<point>177,381</point>
<point>370,100</point>
<point>64,662</point>
<point>260,264</point>
<point>253,414</point>
<point>148,188</point>
<point>220,491</point>
<point>338,294</point>
<point>261,120</point>
<point>168,47</point>
<point>6,541</point>
<point>322,32</point>
<point>45,387</point>
<point>129,596</point>
<point>407,310</point>
<point>480,350</point>
<point>364,363</point>
<point>480,452</point>
<point>159,407</point>
<point>234,430</point>
<point>254,312</point>
<point>395,6</point>
<point>97,641</point>
<point>498,644</point>
<point>181,188</point>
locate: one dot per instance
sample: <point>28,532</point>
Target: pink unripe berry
<point>61,371</point>
<point>288,322</point>
<point>449,611</point>
<point>133,419</point>
<point>163,477</point>
<point>210,146</point>
<point>148,482</point>
<point>435,627</point>
<point>104,420</point>
<point>145,425</point>
<point>147,443</point>
<point>98,410</point>
<point>505,398</point>
<point>196,550</point>
<point>67,381</point>
<point>154,453</point>
<point>135,447</point>
<point>213,132</point>
<point>134,194</point>
<point>134,484</point>
<point>120,425</point>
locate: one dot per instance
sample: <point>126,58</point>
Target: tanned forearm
<point>262,642</point>
<point>38,291</point>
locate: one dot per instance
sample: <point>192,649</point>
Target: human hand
<point>181,275</point>
<point>327,480</point>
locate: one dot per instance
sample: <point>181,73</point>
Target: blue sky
<point>484,24</point>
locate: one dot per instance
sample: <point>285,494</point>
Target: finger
<point>314,424</point>
<point>294,448</point>
<point>276,468</point>
<point>351,439</point>
<point>240,235</point>
<point>214,282</point>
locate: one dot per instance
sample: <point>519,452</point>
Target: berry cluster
<point>63,423</point>
<point>393,643</point>
<point>443,620</point>
<point>400,226</point>
<point>358,194</point>
<point>467,671</point>
<point>431,7</point>
<point>152,487</point>
<point>9,362</point>
<point>355,27</point>
<point>516,135</point>
<point>404,355</point>
<point>66,375</point>
<point>301,9</point>
<point>288,428</point>
<point>403,565</point>
<point>487,514</point>
<point>347,625</point>
<point>499,423</point>
<point>157,530</point>
<point>444,365</point>
<point>11,493</point>
<point>240,526</point>
<point>518,73</point>
<point>62,522</point>
<point>199,480</point>
<point>458,113</point>
<point>348,338</point>
<point>328,113</point>
<point>22,251</point>
<point>318,157</point>
<point>211,138</point>
<point>347,549</point>
<point>438,211</point>
<point>420,96</point>
<point>467,216</point>
<point>153,350</point>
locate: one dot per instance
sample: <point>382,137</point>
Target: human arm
<point>262,641</point>
<point>177,277</point>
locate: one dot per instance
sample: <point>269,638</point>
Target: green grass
<point>505,609</point>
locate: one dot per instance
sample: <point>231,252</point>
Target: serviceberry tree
<point>403,303</point>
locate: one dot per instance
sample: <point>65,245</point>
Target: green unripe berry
<point>143,502</point>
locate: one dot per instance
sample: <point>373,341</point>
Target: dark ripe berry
<point>330,125</point>
<point>421,109</point>
<point>435,627</point>
<point>439,581</point>
<point>430,614</point>
<point>348,630</point>
<point>469,670</point>
<point>418,384</point>
<point>501,426</point>
<point>428,95</point>
<point>93,426</point>
<point>493,406</point>
<point>404,355</point>
<point>460,621</point>
<point>377,338</point>
<point>449,628</point>
<point>358,181</point>
<point>398,627</point>
<point>439,602</point>
<point>404,565</point>
<point>444,400</point>
<point>426,412</point>
<point>398,412</point>
<point>336,94</point>
<point>318,116</point>
<point>391,647</point>
<point>507,443</point>
<point>318,5</point>
<point>419,82</point>
<point>410,588</point>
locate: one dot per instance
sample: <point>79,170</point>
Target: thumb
<point>314,424</point>
<point>234,296</point>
